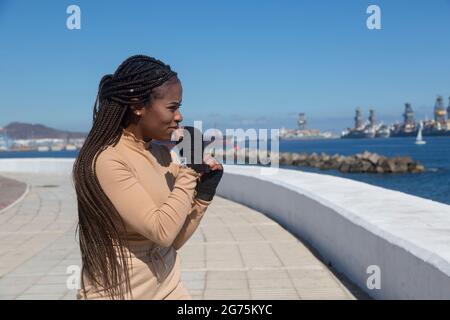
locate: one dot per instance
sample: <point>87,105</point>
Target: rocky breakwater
<point>365,162</point>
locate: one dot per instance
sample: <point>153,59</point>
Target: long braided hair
<point>132,84</point>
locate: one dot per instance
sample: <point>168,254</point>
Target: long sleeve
<point>195,216</point>
<point>137,208</point>
<point>192,222</point>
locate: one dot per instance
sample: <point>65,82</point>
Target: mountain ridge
<point>21,130</point>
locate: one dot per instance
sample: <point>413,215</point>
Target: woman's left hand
<point>212,163</point>
<point>206,187</point>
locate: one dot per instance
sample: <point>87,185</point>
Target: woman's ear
<point>137,111</point>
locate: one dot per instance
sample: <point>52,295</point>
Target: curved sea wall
<point>390,244</point>
<point>37,165</point>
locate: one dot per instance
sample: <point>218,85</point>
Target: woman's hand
<point>212,163</point>
<point>206,187</point>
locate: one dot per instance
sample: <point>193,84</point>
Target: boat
<point>383,132</point>
<point>303,133</point>
<point>356,134</point>
<point>419,139</point>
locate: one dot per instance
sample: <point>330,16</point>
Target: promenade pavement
<point>236,253</point>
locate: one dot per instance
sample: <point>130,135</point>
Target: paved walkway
<point>237,252</point>
<point>10,191</point>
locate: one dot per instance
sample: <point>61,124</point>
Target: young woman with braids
<point>136,206</point>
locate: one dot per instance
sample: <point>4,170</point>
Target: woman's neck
<point>136,131</point>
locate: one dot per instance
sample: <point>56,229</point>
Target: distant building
<point>5,142</point>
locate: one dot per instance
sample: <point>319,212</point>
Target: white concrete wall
<point>351,224</point>
<point>354,225</point>
<point>37,165</point>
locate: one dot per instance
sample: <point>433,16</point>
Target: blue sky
<point>250,63</point>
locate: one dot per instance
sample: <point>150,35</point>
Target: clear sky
<point>251,63</point>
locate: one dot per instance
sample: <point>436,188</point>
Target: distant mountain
<point>18,130</point>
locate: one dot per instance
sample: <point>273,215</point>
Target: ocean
<point>432,184</point>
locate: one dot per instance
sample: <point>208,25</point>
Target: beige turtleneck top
<point>155,198</point>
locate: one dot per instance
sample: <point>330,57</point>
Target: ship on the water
<point>409,127</point>
<point>439,126</point>
<point>302,132</point>
<point>369,129</point>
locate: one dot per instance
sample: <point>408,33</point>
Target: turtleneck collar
<point>130,138</point>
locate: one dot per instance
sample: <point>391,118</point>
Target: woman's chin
<point>165,138</point>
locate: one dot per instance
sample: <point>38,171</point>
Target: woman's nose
<point>178,116</point>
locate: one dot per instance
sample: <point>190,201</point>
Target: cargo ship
<point>302,132</point>
<point>367,130</point>
<point>439,126</point>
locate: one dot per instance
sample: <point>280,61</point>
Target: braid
<point>100,225</point>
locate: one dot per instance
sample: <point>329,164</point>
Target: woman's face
<point>161,117</point>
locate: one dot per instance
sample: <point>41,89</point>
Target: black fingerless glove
<point>206,187</point>
<point>199,168</point>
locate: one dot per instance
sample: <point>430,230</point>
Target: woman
<point>136,206</point>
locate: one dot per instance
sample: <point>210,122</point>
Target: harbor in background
<point>439,126</point>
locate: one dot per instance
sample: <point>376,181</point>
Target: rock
<point>332,164</point>
<point>313,157</point>
<point>381,160</point>
<point>340,159</point>
<point>419,168</point>
<point>373,158</point>
<point>401,164</point>
<point>286,158</point>
<point>367,166</point>
<point>379,170</point>
<point>335,156</point>
<point>316,164</point>
<point>344,166</point>
<point>296,159</point>
<point>328,165</point>
<point>366,154</point>
<point>416,167</point>
<point>391,164</point>
<point>324,157</point>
